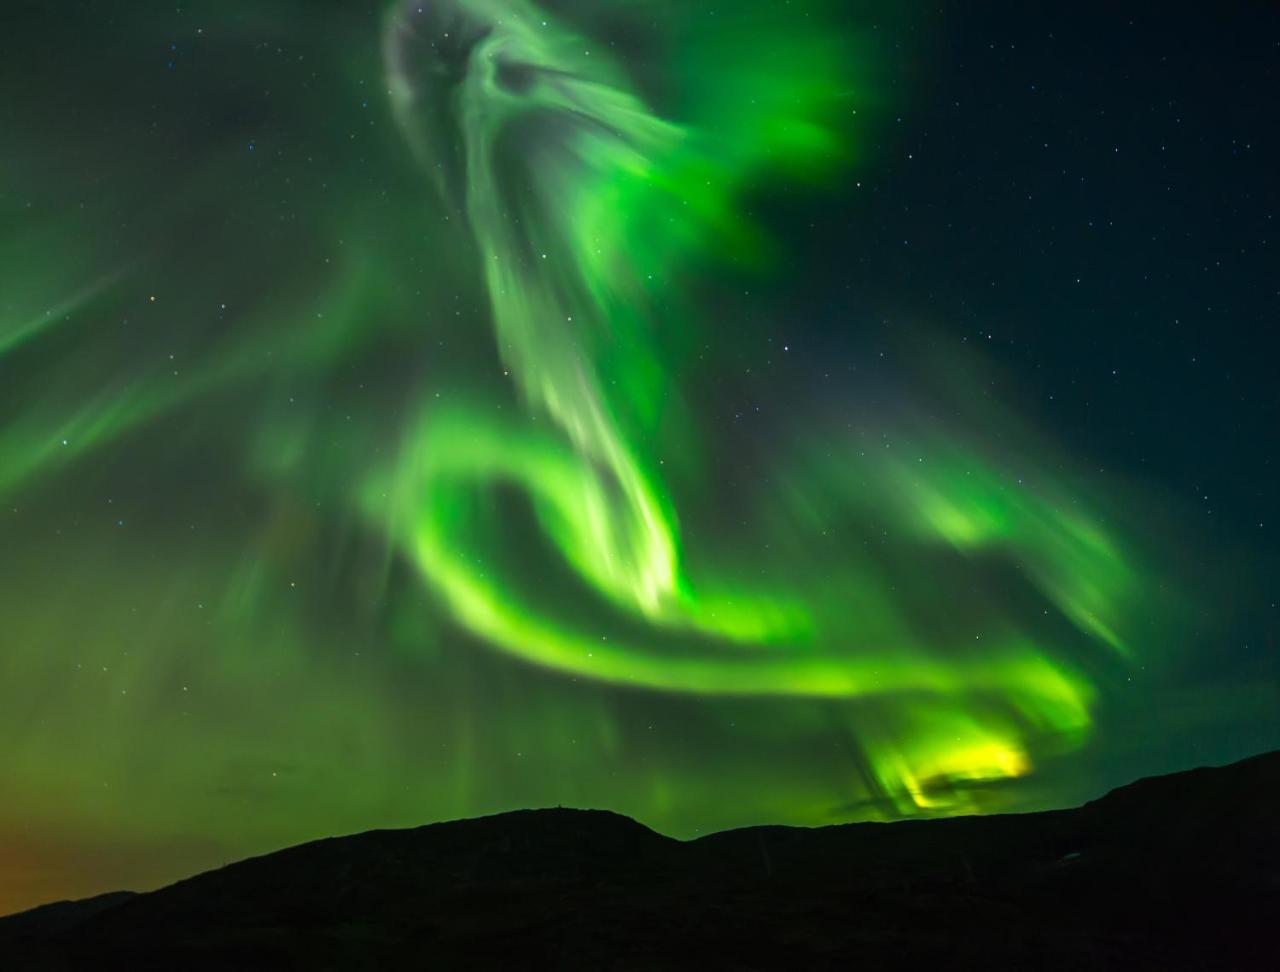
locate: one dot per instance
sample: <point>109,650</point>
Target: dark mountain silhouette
<point>1174,872</point>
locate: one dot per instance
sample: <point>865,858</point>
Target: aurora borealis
<point>414,410</point>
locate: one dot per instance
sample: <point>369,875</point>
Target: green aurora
<point>371,466</point>
<point>585,204</point>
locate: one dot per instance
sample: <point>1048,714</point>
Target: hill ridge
<point>1178,871</point>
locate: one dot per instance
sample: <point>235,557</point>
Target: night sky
<point>720,413</point>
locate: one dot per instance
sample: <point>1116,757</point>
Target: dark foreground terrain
<point>1174,872</point>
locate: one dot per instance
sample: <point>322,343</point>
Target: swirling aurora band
<point>574,190</point>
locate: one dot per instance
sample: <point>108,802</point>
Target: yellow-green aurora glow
<point>381,441</point>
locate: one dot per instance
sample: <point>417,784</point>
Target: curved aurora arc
<point>583,201</point>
